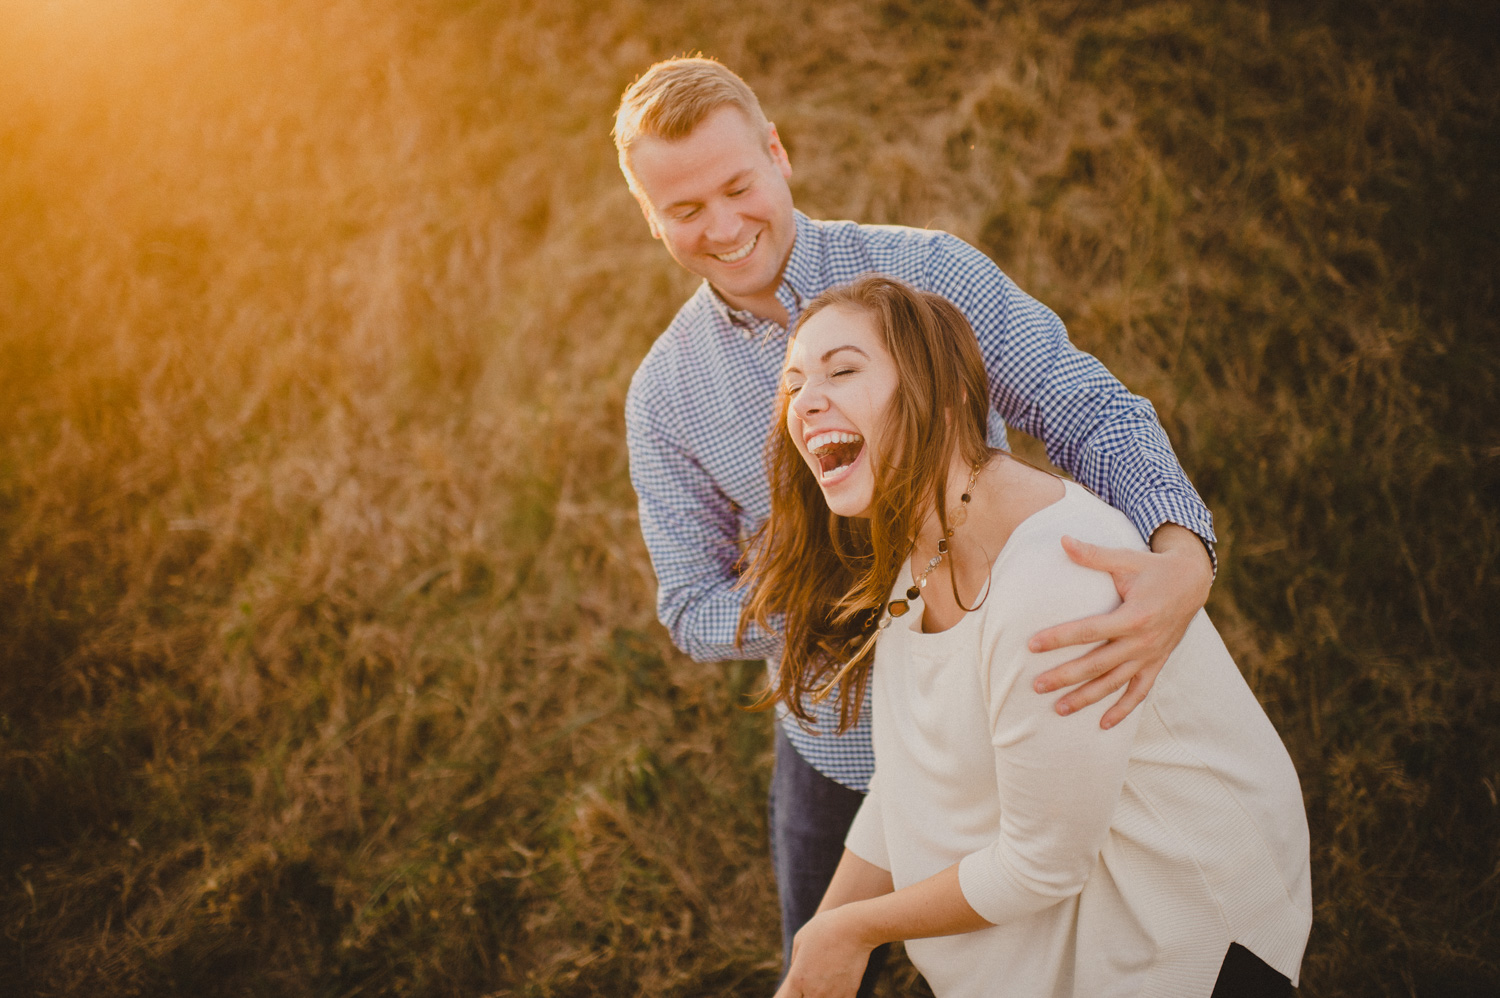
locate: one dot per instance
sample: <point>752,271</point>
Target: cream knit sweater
<point>1120,862</point>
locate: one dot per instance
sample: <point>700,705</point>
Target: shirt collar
<point>799,282</point>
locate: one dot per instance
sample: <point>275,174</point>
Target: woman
<point>1016,851</point>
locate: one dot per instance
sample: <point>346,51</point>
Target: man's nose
<point>723,224</point>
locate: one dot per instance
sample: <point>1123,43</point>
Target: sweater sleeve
<point>866,838</point>
<point>1059,778</point>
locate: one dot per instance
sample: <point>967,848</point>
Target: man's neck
<point>766,306</point>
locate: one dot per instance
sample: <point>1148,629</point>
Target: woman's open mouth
<point>835,451</point>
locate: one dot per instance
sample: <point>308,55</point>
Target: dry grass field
<point>328,660</point>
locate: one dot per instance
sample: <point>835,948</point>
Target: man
<point>710,174</point>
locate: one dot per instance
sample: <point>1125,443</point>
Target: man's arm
<point>691,531</point>
<point>1134,651</point>
<point>1111,441</point>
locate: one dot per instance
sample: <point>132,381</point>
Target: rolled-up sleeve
<point>1092,426</point>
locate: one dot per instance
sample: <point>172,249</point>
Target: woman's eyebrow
<point>849,346</point>
<point>794,369</point>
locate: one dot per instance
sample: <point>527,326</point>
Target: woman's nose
<point>808,402</point>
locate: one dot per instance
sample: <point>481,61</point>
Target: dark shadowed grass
<point>328,662</point>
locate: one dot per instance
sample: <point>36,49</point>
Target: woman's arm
<point>860,912</point>
<point>855,879</point>
<point>1059,780</point>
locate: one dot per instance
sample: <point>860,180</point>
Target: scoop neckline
<point>904,580</point>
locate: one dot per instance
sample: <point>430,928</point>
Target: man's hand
<point>828,957</point>
<point>1161,592</point>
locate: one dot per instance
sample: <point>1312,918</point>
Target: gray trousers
<point>809,815</point>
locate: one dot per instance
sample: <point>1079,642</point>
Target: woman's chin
<point>845,498</point>
<point>847,490</point>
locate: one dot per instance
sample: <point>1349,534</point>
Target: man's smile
<point>736,255</point>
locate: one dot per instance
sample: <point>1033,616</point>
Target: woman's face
<point>840,380</point>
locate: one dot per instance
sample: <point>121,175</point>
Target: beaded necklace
<point>898,607</point>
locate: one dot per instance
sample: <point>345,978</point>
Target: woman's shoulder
<point>1063,507</point>
<point>1033,571</point>
<point>1095,518</point>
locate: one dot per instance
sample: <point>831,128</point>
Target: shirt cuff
<point>990,893</point>
<point>1152,510</point>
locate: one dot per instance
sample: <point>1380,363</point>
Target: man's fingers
<point>1140,675</point>
<point>1080,670</point>
<point>1118,622</point>
<point>1111,560</point>
<point>1134,693</point>
<point>1092,693</point>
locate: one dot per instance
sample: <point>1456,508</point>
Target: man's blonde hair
<point>669,100</point>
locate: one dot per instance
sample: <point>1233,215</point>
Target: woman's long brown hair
<point>828,576</point>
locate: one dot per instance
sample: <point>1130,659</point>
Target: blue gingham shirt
<point>700,407</point>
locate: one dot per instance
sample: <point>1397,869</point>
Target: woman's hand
<point>1161,590</point>
<point>828,956</point>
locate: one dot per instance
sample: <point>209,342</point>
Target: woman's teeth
<point>835,451</point>
<point>823,441</point>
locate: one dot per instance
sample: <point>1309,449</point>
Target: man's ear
<point>778,155</point>
<point>650,216</point>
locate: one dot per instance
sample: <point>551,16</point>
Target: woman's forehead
<point>830,327</point>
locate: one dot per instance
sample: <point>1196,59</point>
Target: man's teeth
<point>823,441</point>
<point>738,254</point>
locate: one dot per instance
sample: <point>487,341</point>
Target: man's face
<point>719,200</point>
